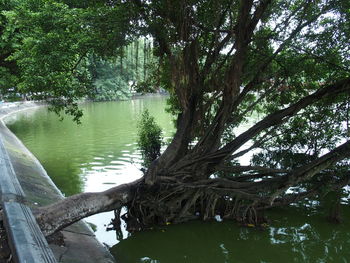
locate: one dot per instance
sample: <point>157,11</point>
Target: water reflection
<point>294,239</point>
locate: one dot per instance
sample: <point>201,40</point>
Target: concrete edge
<point>26,240</point>
<point>79,237</point>
<point>29,153</point>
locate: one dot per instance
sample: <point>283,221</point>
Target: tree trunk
<point>121,61</point>
<point>54,217</point>
<point>137,59</point>
<point>144,59</point>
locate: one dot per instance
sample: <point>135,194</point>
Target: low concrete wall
<point>80,244</point>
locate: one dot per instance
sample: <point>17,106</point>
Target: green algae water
<point>101,153</point>
<point>294,237</point>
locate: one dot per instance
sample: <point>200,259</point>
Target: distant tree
<point>108,79</point>
<point>116,78</point>
<point>8,42</point>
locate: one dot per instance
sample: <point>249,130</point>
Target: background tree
<point>109,80</point>
<point>286,62</point>
<point>119,77</point>
<point>8,41</point>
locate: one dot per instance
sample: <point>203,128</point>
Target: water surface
<point>102,153</point>
<point>94,156</point>
<point>294,236</point>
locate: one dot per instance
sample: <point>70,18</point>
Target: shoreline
<point>79,242</point>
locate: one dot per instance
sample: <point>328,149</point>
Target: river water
<point>102,152</point>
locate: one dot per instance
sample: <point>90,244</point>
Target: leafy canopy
<point>286,50</point>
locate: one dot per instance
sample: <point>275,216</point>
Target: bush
<point>149,138</point>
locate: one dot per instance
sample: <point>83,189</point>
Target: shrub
<point>149,138</point>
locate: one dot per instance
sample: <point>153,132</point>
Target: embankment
<point>79,243</point>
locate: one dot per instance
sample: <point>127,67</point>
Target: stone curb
<point>26,240</point>
<point>80,244</point>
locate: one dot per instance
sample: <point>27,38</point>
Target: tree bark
<point>54,217</point>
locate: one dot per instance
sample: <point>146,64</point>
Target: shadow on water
<point>294,235</point>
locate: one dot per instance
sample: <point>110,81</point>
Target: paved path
<point>80,244</point>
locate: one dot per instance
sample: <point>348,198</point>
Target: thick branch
<point>239,169</point>
<point>278,117</point>
<point>54,217</point>
<point>214,130</point>
<point>243,32</point>
<point>271,120</point>
<point>307,171</point>
<point>292,198</point>
<point>261,69</point>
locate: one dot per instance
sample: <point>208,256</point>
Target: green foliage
<point>118,77</point>
<point>8,42</point>
<point>149,138</point>
<point>110,89</point>
<point>282,159</point>
<point>49,41</point>
<point>50,49</point>
<point>109,84</point>
<point>66,50</point>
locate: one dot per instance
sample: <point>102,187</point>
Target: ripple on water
<point>120,162</point>
<point>96,163</point>
<point>125,159</point>
<point>113,167</point>
<point>97,168</point>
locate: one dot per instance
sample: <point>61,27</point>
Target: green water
<point>294,237</point>
<point>102,153</point>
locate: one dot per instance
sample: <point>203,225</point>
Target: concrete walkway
<point>80,244</point>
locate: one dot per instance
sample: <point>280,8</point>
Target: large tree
<point>284,62</point>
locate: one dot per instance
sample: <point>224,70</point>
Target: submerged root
<point>162,204</point>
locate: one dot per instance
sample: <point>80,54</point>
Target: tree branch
<point>307,171</point>
<point>54,217</point>
<point>240,169</point>
<point>279,116</point>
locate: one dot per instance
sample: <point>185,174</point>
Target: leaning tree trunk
<point>54,217</point>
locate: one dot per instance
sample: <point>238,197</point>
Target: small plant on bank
<point>149,138</point>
